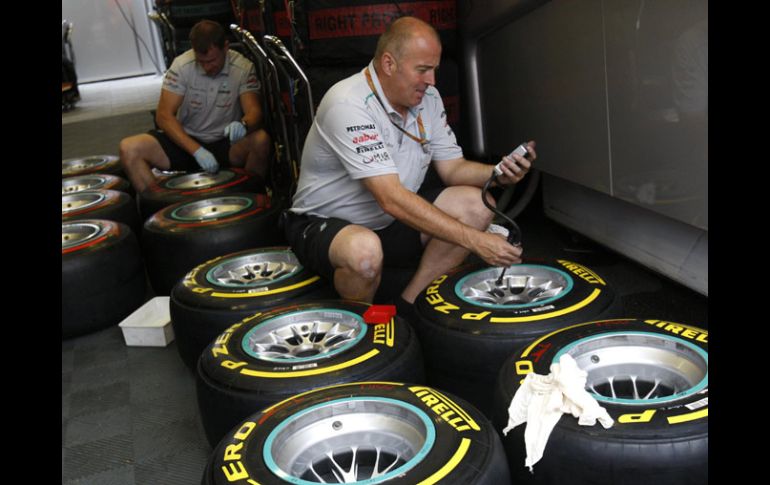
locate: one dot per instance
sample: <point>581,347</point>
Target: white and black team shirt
<point>352,138</point>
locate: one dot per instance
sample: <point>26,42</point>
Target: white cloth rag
<point>541,400</point>
<point>496,229</point>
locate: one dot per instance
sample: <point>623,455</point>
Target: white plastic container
<point>149,325</point>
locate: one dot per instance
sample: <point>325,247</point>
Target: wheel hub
<point>76,233</point>
<point>79,184</point>
<point>521,285</point>
<point>87,163</point>
<point>199,180</point>
<point>81,200</point>
<point>350,440</point>
<point>304,336</point>
<point>640,367</point>
<point>256,269</point>
<point>214,208</point>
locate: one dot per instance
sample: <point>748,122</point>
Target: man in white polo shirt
<point>209,115</point>
<point>359,204</point>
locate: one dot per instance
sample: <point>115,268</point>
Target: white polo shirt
<point>210,103</point>
<point>352,138</point>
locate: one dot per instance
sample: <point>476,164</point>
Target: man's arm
<point>413,210</point>
<point>252,110</point>
<point>465,172</point>
<point>165,117</point>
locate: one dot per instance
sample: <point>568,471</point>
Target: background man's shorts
<point>310,238</point>
<point>183,161</point>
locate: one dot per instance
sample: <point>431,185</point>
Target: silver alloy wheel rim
<point>199,180</point>
<point>255,269</point>
<point>81,200</point>
<point>304,336</point>
<point>522,285</point>
<point>349,440</point>
<point>76,233</point>
<point>81,183</point>
<point>640,367</point>
<point>208,209</point>
<point>87,163</point>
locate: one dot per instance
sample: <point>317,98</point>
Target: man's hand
<point>235,131</point>
<point>496,250</point>
<point>206,160</point>
<point>516,167</point>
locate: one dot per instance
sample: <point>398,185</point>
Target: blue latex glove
<point>206,160</point>
<point>235,131</point>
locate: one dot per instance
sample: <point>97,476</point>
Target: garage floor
<point>129,414</point>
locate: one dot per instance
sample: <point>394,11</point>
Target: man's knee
<point>468,206</point>
<point>258,140</point>
<point>130,150</point>
<point>362,254</point>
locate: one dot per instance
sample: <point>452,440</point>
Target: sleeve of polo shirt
<point>173,80</point>
<point>249,83</point>
<point>354,136</point>
<point>443,143</point>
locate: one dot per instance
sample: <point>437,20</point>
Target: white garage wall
<point>104,42</point>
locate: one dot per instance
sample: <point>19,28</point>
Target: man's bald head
<point>398,34</point>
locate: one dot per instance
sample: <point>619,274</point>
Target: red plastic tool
<point>380,313</point>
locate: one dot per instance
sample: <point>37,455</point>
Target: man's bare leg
<point>138,154</point>
<point>463,203</point>
<point>252,153</point>
<point>356,254</point>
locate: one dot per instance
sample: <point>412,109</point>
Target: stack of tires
<point>103,278</point>
<point>185,234</point>
<point>229,288</point>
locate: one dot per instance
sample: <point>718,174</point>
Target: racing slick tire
<point>652,378</point>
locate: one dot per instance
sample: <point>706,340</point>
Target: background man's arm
<point>165,117</point>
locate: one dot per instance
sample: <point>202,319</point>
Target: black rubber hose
<point>514,235</point>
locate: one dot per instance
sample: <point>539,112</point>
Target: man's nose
<point>430,77</point>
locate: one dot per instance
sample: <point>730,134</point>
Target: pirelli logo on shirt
<point>370,148</point>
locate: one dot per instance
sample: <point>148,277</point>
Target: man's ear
<point>389,64</point>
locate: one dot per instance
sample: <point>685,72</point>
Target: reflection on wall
<point>657,60</point>
<point>615,92</point>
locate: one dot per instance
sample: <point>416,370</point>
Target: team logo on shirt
<point>351,129</point>
<point>370,148</point>
<point>172,79</point>
<point>376,157</point>
<point>365,137</point>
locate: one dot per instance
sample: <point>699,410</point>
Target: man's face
<point>415,71</point>
<point>212,61</point>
